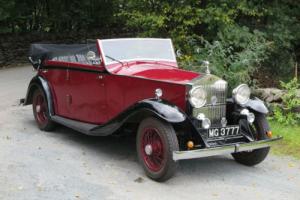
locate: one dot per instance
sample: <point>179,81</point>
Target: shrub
<point>286,113</point>
<point>234,56</point>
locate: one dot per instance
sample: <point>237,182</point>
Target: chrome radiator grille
<point>215,107</point>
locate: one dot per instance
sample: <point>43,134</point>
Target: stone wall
<point>14,47</point>
<point>271,95</point>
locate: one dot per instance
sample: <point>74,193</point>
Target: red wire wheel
<point>156,141</point>
<point>40,110</point>
<point>152,149</point>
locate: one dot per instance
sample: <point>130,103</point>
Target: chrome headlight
<point>197,97</point>
<point>241,94</point>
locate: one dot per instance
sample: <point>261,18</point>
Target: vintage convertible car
<point>106,86</point>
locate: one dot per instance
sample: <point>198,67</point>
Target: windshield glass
<point>134,49</point>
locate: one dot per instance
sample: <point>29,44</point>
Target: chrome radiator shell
<point>215,107</point>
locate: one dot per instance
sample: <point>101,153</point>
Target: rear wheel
<point>156,141</point>
<point>251,158</point>
<point>40,111</point>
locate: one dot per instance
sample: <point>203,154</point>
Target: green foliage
<point>240,38</point>
<point>52,16</point>
<point>290,145</point>
<point>285,113</point>
<point>162,18</point>
<point>235,56</point>
<point>283,30</point>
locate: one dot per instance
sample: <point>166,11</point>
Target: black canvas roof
<point>61,52</point>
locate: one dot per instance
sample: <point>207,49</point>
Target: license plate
<point>229,131</point>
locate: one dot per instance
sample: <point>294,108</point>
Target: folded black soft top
<point>61,52</point>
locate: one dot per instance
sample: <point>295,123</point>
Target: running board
<point>76,125</point>
<point>87,128</point>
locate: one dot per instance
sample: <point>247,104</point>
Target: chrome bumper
<point>199,153</point>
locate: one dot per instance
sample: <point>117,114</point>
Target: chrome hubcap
<point>148,149</point>
<point>38,108</point>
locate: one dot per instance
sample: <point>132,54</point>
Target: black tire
<point>256,156</point>
<point>169,142</point>
<point>41,114</point>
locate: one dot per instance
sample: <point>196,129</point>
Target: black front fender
<point>257,105</point>
<point>163,110</point>
<point>142,109</point>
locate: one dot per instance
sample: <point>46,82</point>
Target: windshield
<point>134,49</point>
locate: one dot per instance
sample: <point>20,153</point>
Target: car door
<point>86,94</point>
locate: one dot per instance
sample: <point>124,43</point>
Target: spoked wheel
<point>251,158</point>
<point>40,111</point>
<point>152,149</point>
<point>156,141</point>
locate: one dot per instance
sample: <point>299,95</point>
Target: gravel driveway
<point>64,164</point>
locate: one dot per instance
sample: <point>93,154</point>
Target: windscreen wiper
<point>115,60</point>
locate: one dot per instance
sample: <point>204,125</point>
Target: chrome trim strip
<point>199,153</point>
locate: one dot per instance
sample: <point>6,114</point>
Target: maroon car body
<point>101,87</point>
<point>115,91</point>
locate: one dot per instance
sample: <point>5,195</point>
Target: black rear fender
<point>36,83</point>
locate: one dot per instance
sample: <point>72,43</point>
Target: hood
<point>155,71</point>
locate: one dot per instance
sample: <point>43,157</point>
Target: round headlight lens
<point>241,94</point>
<point>197,97</point>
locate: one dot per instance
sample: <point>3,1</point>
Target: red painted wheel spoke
<point>158,159</point>
<point>149,138</point>
<point>154,159</point>
<point>41,109</point>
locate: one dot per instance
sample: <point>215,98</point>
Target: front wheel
<point>251,158</point>
<point>156,141</point>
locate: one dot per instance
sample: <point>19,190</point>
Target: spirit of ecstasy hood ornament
<point>206,65</point>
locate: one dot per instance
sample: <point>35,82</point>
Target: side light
<point>244,111</point>
<point>206,123</point>
<point>158,93</point>
<point>250,116</point>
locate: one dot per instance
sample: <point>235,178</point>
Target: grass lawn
<point>290,145</point>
